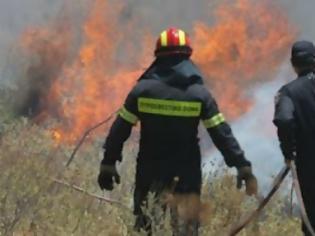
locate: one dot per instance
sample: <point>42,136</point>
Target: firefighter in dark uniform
<point>295,120</point>
<point>169,100</point>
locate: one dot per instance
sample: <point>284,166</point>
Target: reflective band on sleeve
<point>169,107</point>
<point>214,121</point>
<point>128,116</point>
<point>182,38</point>
<point>164,38</point>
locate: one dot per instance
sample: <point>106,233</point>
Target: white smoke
<point>302,15</point>
<point>16,16</point>
<point>257,134</point>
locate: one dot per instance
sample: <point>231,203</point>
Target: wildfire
<point>247,41</point>
<point>56,135</point>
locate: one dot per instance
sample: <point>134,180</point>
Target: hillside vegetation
<point>33,203</point>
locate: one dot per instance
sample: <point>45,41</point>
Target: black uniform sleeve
<point>121,129</point>
<point>286,124</point>
<point>221,134</point>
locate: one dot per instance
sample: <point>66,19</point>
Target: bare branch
<point>85,135</point>
<point>79,189</point>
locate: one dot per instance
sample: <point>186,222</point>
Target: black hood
<point>175,71</point>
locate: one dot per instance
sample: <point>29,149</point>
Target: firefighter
<point>295,120</point>
<point>169,101</point>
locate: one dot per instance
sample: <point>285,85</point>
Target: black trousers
<point>308,192</point>
<point>158,177</point>
<point>306,177</point>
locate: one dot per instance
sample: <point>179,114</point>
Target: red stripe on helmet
<point>173,37</point>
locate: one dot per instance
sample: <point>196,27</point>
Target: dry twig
<point>79,189</point>
<point>85,135</point>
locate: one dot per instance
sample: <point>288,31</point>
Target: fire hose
<point>278,180</point>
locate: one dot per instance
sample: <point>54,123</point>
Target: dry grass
<point>32,204</point>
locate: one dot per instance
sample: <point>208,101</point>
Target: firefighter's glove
<point>246,174</point>
<point>108,175</point>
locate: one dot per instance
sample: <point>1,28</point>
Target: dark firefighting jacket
<point>170,100</point>
<point>295,119</point>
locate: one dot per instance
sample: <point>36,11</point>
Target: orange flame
<point>56,135</point>
<point>95,84</point>
<point>247,42</point>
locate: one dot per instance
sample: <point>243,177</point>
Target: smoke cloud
<point>302,15</point>
<point>16,16</point>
